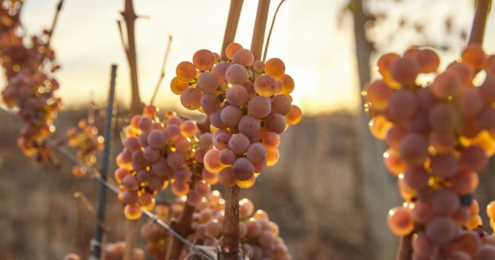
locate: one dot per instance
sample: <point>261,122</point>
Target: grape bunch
<point>248,104</point>
<point>440,136</point>
<point>87,141</point>
<point>259,236</point>
<point>156,152</point>
<point>30,88</point>
<point>115,251</point>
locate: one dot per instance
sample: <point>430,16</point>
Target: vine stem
<point>405,248</point>
<point>231,28</point>
<point>55,18</point>
<point>479,22</point>
<point>230,244</point>
<point>130,49</point>
<point>259,28</point>
<point>183,227</point>
<point>271,29</point>
<point>162,74</point>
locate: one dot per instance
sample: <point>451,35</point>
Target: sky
<point>312,37</point>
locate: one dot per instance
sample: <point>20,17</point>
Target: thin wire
<point>96,174</point>
<point>162,75</point>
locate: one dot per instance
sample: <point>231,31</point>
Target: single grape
<point>232,49</point>
<point>157,139</point>
<point>236,95</point>
<point>238,144</point>
<point>275,122</point>
<point>294,115</point>
<point>473,158</point>
<point>186,71</point>
<point>445,85</point>
<point>265,86</point>
<point>445,202</point>
<point>178,86</point>
<point>191,98</point>
<point>464,182</point>
<point>249,126</point>
<point>402,104</point>
<point>258,66</point>
<point>393,162</point>
<point>444,165</point>
<point>236,74</point>
<point>444,117</point>
<point>259,107</point>
<point>226,177</point>
<point>428,60</point>
<point>208,82</point>
<point>400,221</point>
<point>270,140</point>
<point>212,162</point>
<point>441,230</point>
<point>405,70</point>
<point>416,177</point>
<point>414,149</point>
<point>243,57</point>
<point>474,56</point>
<point>203,60</point>
<point>275,68</point>
<point>230,115</point>
<point>175,160</point>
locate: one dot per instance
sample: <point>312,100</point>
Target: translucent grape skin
<point>270,140</point>
<point>157,139</point>
<point>220,70</point>
<point>232,49</point>
<point>378,94</point>
<point>178,86</point>
<point>400,221</point>
<point>203,60</point>
<point>231,115</point>
<point>186,71</point>
<point>256,153</point>
<point>265,85</point>
<point>288,84</point>
<point>473,158</point>
<point>428,60</point>
<point>226,177</point>
<point>275,68</point>
<point>445,85</point>
<point>226,157</point>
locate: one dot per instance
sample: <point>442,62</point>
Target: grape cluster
<point>29,89</point>
<point>248,103</point>
<point>439,136</point>
<point>115,251</point>
<point>87,141</point>
<point>259,236</point>
<point>156,152</point>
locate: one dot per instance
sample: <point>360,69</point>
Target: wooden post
<point>259,29</point>
<point>231,29</point>
<point>230,245</point>
<point>130,17</point>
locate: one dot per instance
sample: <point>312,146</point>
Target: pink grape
<point>441,230</point>
<point>445,85</point>
<point>231,115</point>
<point>207,82</point>
<point>275,122</point>
<point>444,165</point>
<point>206,141</point>
<point>249,126</point>
<point>145,124</point>
<point>161,168</point>
<point>202,188</point>
<point>402,104</point>
<point>212,162</point>
<point>175,160</point>
<point>259,107</point>
<point>191,98</point>
<point>243,169</point>
<point>445,202</point>
<point>265,85</point>
<point>239,144</point>
<point>210,103</point>
<point>236,74</point>
<point>216,119</point>
<point>256,153</point>
<point>143,139</point>
<point>220,70</point>
<point>226,157</point>
<point>182,145</point>
<point>266,239</point>
<point>183,174</point>
<point>281,104</point>
<point>395,135</point>
<point>226,177</point>
<point>222,141</point>
<point>424,246</point>
<point>422,212</point>
<point>464,182</point>
<point>236,95</point>
<point>151,155</point>
<point>414,149</point>
<point>131,144</point>
<point>416,177</point>
<point>157,139</point>
<point>172,132</point>
<point>400,221</point>
<point>473,158</point>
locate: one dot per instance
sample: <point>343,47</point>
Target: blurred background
<point>329,192</point>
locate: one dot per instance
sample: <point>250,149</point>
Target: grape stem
<point>405,249</point>
<point>259,28</point>
<point>130,49</point>
<point>271,29</point>
<point>231,29</point>
<point>183,228</point>
<point>162,75</point>
<point>230,244</point>
<point>50,33</point>
<point>479,22</point>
